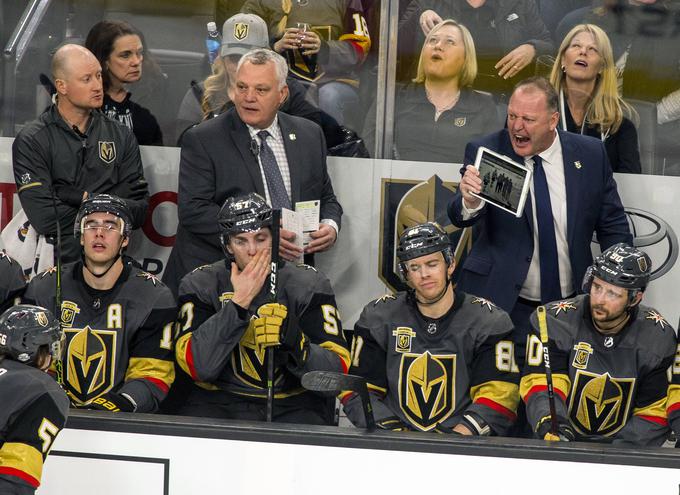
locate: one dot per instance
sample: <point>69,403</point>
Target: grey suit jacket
<point>217,162</point>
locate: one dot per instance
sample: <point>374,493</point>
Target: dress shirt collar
<point>273,130</point>
<point>553,154</point>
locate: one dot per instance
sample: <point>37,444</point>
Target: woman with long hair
<point>584,75</point>
<point>438,113</point>
<point>120,50</point>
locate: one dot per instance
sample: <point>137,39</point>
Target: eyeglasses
<point>101,227</point>
<point>609,295</point>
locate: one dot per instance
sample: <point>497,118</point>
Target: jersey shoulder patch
<point>149,278</point>
<point>561,308</point>
<point>655,317</point>
<point>483,303</point>
<point>306,267</point>
<point>384,298</point>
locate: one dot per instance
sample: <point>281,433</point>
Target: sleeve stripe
<point>158,383</point>
<point>340,351</point>
<point>18,473</point>
<point>674,407</point>
<point>189,356</point>
<point>544,388</point>
<point>654,419</point>
<point>29,186</point>
<point>497,407</point>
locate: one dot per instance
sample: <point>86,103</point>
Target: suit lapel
<point>293,155</point>
<point>572,182</point>
<point>238,132</point>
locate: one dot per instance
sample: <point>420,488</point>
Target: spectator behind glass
<point>509,35</point>
<point>645,39</point>
<point>584,76</point>
<point>328,55</point>
<point>120,51</point>
<point>206,100</point>
<point>438,113</point>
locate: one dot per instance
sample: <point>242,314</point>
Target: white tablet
<point>505,183</point>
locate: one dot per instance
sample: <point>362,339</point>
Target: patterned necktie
<point>547,244</point>
<point>272,174</point>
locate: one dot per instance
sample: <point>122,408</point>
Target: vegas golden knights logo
<point>406,203</point>
<point>107,151</point>
<point>90,363</point>
<point>581,356</point>
<point>426,388</point>
<point>599,404</point>
<point>403,335</point>
<point>69,310</point>
<point>241,30</point>
<point>249,361</point>
<point>41,318</point>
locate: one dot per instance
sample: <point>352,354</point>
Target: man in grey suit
<point>250,148</point>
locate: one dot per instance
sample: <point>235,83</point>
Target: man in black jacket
<point>73,151</point>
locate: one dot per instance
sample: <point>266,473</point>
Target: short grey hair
<point>260,56</point>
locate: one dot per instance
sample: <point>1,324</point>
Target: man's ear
<point>61,86</point>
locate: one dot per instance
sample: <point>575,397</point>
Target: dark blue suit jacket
<point>497,266</point>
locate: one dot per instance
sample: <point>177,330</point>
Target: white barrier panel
<point>112,463</point>
<point>353,264</point>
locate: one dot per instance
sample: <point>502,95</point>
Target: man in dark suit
<point>251,148</point>
<point>519,263</point>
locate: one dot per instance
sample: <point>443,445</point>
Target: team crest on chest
<point>562,306</point>
<point>484,303</point>
<point>249,360</point>
<point>404,336</point>
<point>656,318</point>
<point>69,311</point>
<point>599,404</point>
<point>582,355</point>
<point>426,388</point>
<point>107,151</point>
<point>89,368</point>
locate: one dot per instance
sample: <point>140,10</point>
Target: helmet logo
<point>41,318</point>
<point>107,151</point>
<point>642,263</point>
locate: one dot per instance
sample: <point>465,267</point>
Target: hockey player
<point>34,407</point>
<point>227,323</point>
<point>435,358</point>
<point>12,281</point>
<point>118,319</point>
<point>609,356</point>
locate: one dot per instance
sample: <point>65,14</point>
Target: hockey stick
<point>273,288</point>
<point>335,382</point>
<point>543,329</point>
<point>57,290</point>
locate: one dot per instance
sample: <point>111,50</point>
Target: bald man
<point>73,151</point>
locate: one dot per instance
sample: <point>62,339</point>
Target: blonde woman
<point>584,76</point>
<point>438,113</point>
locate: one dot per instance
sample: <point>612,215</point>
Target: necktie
<point>547,244</point>
<point>272,174</point>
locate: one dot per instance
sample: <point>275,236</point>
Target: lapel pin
<point>577,164</point>
<point>292,136</point>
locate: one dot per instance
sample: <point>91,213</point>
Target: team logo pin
<point>292,136</point>
<point>578,165</point>
<point>460,121</point>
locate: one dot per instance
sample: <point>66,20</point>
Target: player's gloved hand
<point>565,433</point>
<point>392,423</point>
<point>268,325</point>
<point>113,403</point>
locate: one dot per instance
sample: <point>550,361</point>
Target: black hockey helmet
<point>24,329</point>
<point>105,203</point>
<point>247,213</point>
<point>621,265</point>
<point>421,240</point>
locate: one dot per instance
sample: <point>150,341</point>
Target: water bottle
<point>213,42</point>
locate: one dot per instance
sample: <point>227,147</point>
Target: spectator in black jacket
<point>120,51</point>
<point>73,151</point>
<point>509,35</point>
<point>210,98</point>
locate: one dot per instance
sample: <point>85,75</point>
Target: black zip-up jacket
<point>53,165</point>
